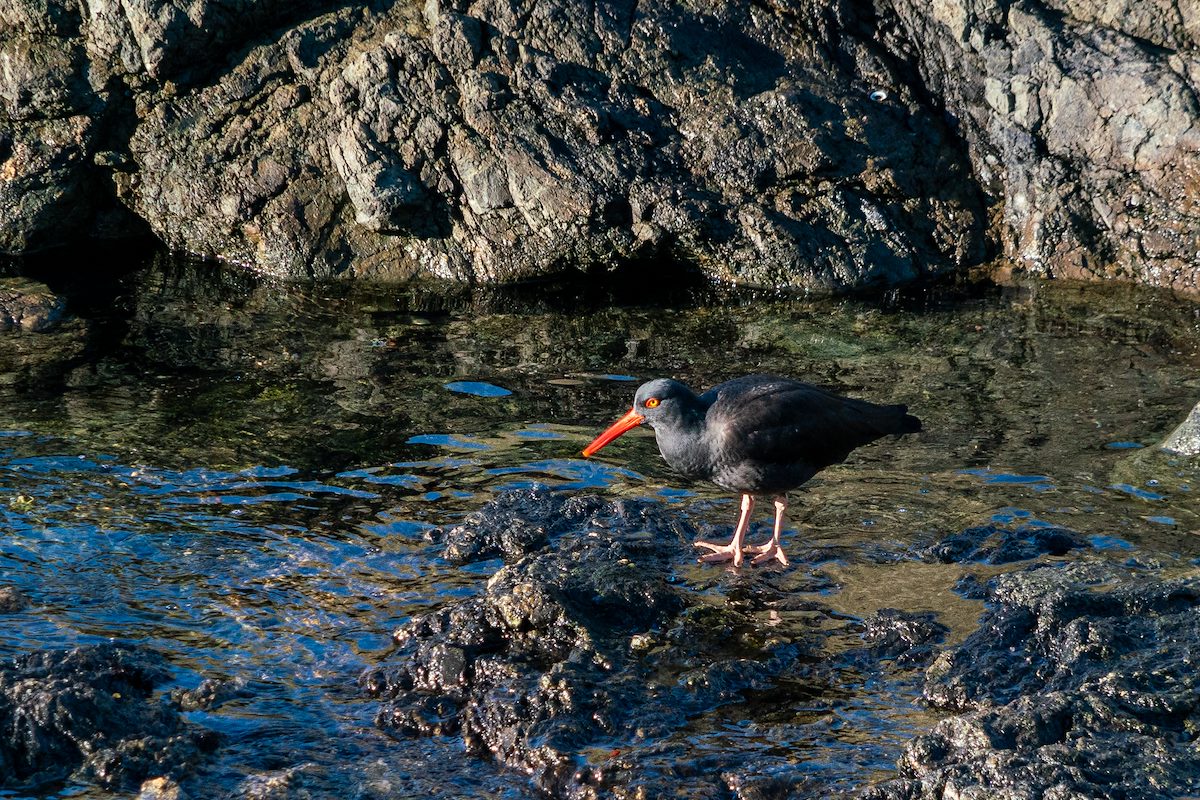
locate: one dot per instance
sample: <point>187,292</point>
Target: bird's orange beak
<point>624,424</point>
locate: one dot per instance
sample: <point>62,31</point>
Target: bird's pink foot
<point>721,552</point>
<point>767,552</point>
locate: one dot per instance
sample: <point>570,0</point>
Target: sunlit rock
<point>1185,440</point>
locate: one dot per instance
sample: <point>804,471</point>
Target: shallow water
<point>241,474</point>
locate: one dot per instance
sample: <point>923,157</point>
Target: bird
<point>758,435</point>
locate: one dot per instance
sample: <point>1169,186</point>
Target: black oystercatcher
<point>758,435</point>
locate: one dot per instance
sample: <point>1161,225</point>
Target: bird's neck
<point>682,442</point>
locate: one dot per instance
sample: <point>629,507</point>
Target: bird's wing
<point>781,421</point>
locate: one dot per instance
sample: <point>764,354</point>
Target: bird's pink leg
<point>773,549</point>
<point>733,550</point>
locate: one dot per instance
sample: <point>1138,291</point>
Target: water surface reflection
<point>243,475</point>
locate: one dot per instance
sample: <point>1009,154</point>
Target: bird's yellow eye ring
<point>652,402</point>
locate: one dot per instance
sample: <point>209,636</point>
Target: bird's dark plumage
<point>759,434</point>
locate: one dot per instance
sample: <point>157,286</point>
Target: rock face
<point>816,145</point>
<point>1082,123</point>
<point>483,141</point>
<point>89,712</point>
<point>1185,440</point>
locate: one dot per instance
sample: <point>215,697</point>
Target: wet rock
<point>909,639</point>
<point>588,644</point>
<point>210,694</point>
<point>89,713</point>
<point>1185,440</point>
<point>12,600</point>
<point>1078,683</point>
<point>160,789</point>
<point>513,524</point>
<point>294,783</point>
<point>28,306</point>
<point>993,544</point>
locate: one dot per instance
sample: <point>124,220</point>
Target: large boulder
<point>818,145</point>
<point>1081,119</point>
<point>488,141</point>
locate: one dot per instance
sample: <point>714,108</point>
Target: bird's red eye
<point>652,402</point>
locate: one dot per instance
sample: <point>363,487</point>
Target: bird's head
<point>656,402</point>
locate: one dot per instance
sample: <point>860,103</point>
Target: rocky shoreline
<point>590,667</point>
<point>813,145</point>
<point>585,662</point>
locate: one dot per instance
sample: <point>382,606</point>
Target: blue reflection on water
<point>401,527</point>
<point>537,433</point>
<point>371,475</point>
<point>1009,515</point>
<point>478,388</point>
<point>1104,542</point>
<point>1039,483</point>
<point>576,472</point>
<point>1134,491</point>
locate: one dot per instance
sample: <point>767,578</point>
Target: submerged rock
<point>160,789</point>
<point>28,306</point>
<point>909,639</point>
<point>12,600</point>
<point>993,544</point>
<point>90,713</point>
<point>1079,683</point>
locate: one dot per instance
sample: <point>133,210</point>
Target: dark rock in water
<point>590,645</point>
<point>89,713</point>
<point>12,600</point>
<point>509,526</point>
<point>210,694</point>
<point>1080,682</point>
<point>295,783</point>
<point>908,639</point>
<point>28,306</point>
<point>992,544</point>
<point>971,587</point>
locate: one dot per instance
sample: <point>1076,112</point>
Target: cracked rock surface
<point>483,141</point>
<point>819,145</point>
